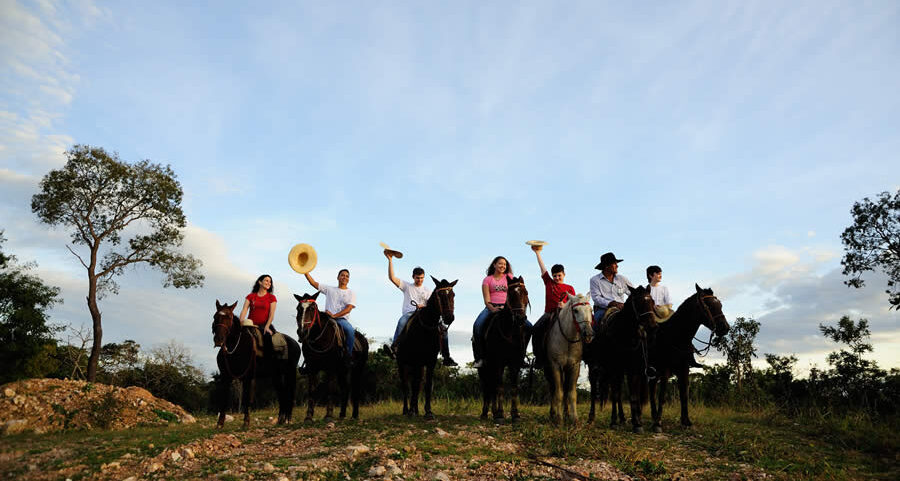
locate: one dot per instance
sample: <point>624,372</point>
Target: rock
<point>19,400</point>
<point>330,425</point>
<point>268,467</point>
<point>130,478</point>
<point>440,476</point>
<point>229,418</point>
<point>32,467</point>
<point>8,392</point>
<point>175,456</point>
<point>151,446</point>
<point>283,478</point>
<point>354,451</point>
<point>188,419</point>
<point>441,433</point>
<point>112,465</point>
<point>394,470</point>
<point>377,471</point>
<point>14,426</point>
<point>154,467</point>
<point>188,453</point>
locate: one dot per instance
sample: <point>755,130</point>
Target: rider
<point>415,296</point>
<point>340,301</point>
<point>260,304</point>
<point>609,288</point>
<point>556,295</point>
<point>663,301</point>
<point>493,290</point>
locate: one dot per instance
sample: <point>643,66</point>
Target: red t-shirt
<point>259,307</point>
<point>556,292</point>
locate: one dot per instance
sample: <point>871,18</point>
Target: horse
<point>506,339</point>
<point>323,350</point>
<point>419,344</point>
<point>672,349</point>
<point>564,349</point>
<point>237,359</point>
<point>621,351</point>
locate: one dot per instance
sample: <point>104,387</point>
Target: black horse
<point>673,348</point>
<point>419,344</point>
<point>323,351</point>
<point>621,350</point>
<point>505,340</point>
<point>237,359</point>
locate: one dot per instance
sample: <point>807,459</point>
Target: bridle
<point>228,326</point>
<point>521,309</point>
<point>305,328</point>
<point>574,321</point>
<point>439,295</point>
<point>711,326</point>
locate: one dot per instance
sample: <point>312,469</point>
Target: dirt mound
<point>45,405</point>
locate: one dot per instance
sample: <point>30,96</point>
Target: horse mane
<point>567,308</point>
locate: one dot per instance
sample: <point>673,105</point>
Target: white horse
<point>564,345</point>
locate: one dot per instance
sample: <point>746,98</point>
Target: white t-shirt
<point>336,299</point>
<point>660,295</point>
<point>412,293</point>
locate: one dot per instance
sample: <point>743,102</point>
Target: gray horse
<point>564,346</point>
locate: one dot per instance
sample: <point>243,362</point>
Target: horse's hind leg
<point>514,397</point>
<point>656,404</point>
<point>556,396</point>
<point>329,398</point>
<point>498,398</point>
<point>344,390</point>
<point>683,383</point>
<point>248,386</point>
<point>415,386</point>
<point>404,387</point>
<point>429,384</point>
<point>486,396</point>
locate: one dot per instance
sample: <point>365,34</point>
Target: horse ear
<point>316,295</point>
<point>299,299</point>
<point>218,306</point>
<point>436,282</point>
<point>699,290</point>
<point>631,290</point>
<point>231,308</point>
<point>454,283</point>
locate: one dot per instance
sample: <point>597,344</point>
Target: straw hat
<point>302,258</point>
<point>391,252</point>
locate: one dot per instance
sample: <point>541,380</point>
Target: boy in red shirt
<point>557,294</point>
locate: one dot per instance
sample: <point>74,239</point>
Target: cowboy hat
<point>536,243</point>
<point>391,252</point>
<point>607,259</point>
<point>302,258</point>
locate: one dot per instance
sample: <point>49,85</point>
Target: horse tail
<point>357,375</point>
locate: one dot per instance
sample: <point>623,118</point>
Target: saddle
<point>604,322</point>
<point>279,344</point>
<point>339,338</point>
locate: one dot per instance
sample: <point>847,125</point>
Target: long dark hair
<point>490,269</point>
<point>259,279</point>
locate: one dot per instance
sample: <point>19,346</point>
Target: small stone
<point>19,400</point>
<point>8,392</point>
<point>354,451</point>
<point>175,456</point>
<point>224,473</point>
<point>440,432</point>
<point>229,418</point>
<point>130,478</point>
<point>188,453</point>
<point>151,446</point>
<point>377,471</point>
<point>188,419</point>
<point>330,425</point>
<point>32,467</point>
<point>112,465</point>
<point>15,426</point>
<point>268,467</point>
<point>394,470</point>
<point>283,478</point>
<point>154,467</point>
<point>440,476</point>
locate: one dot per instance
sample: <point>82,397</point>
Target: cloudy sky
<point>723,141</point>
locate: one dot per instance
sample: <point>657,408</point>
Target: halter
<point>440,300</point>
<point>639,316</point>
<point>712,320</point>
<point>518,309</point>
<point>251,365</point>
<point>574,321</point>
<point>317,320</point>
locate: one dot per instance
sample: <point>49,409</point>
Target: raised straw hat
<point>391,252</point>
<point>302,258</point>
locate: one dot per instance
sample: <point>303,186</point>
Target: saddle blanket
<point>279,344</point>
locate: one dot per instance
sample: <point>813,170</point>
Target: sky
<point>723,141</point>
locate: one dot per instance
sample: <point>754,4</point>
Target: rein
<point>712,320</point>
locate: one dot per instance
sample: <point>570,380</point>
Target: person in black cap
<point>608,288</point>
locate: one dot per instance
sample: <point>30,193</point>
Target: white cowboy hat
<point>302,258</point>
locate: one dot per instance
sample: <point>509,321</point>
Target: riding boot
<point>445,352</point>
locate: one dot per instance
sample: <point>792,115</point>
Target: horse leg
<point>615,395</point>
<point>329,399</point>
<point>635,387</point>
<point>654,405</point>
<point>223,394</point>
<point>556,395</point>
<point>247,389</point>
<point>429,383</point>
<point>344,390</point>
<point>415,385</point>
<point>572,392</point>
<point>311,381</point>
<point>498,398</point>
<point>484,376</point>
<point>592,380</point>
<point>514,398</point>
<point>404,387</point>
<point>683,383</point>
<point>356,380</point>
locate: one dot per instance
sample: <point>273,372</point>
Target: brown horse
<point>673,348</point>
<point>505,340</point>
<point>419,344</point>
<point>621,351</point>
<point>323,351</point>
<point>237,359</point>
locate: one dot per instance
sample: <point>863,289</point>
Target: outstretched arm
<point>244,311</point>
<point>537,252</point>
<point>311,281</point>
<point>391,275</point>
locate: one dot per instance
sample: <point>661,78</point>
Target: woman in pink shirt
<point>493,289</point>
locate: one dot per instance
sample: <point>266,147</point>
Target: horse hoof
<point>484,416</point>
<point>429,417</point>
<point>328,419</point>
<point>657,429</point>
<point>637,429</point>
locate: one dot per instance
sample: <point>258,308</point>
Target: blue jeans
<point>401,323</point>
<point>349,334</point>
<point>598,314</point>
<point>479,323</point>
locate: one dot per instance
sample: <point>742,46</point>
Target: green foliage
<point>103,200</point>
<point>25,332</point>
<point>738,347</point>
<point>105,409</point>
<point>873,243</point>
<point>166,415</point>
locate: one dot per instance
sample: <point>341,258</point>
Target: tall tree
<point>25,333</point>
<point>103,199</point>
<point>739,349</point>
<point>873,243</point>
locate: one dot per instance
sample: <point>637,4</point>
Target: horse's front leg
<point>615,390</point>
<point>683,384</point>
<point>658,400</point>
<point>404,387</point>
<point>329,399</point>
<point>635,389</point>
<point>499,394</point>
<point>514,397</point>
<point>311,380</point>
<point>415,386</point>
<point>223,395</point>
<point>429,383</point>
<point>593,381</point>
<point>574,371</point>
<point>486,391</point>
<point>248,386</point>
<point>556,396</point>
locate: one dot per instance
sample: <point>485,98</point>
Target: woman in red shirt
<point>260,304</point>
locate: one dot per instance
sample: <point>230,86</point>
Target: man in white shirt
<point>339,302</point>
<point>415,296</point>
<point>663,301</point>
<point>608,288</point>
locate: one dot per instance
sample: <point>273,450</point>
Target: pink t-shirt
<point>496,288</point>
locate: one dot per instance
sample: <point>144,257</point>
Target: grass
<point>721,442</point>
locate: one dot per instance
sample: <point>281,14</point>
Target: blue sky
<point>723,141</point>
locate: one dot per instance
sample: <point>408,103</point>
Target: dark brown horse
<point>620,352</point>
<point>323,351</point>
<point>673,348</point>
<point>237,359</point>
<point>419,344</point>
<point>505,340</point>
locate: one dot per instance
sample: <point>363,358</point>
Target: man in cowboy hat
<point>415,296</point>
<point>555,294</point>
<point>608,288</point>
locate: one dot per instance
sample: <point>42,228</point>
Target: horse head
<point>580,307</point>
<point>443,296</point>
<point>223,322</point>
<point>307,314</point>
<point>711,308</point>
<point>643,307</point>
<point>517,297</point>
